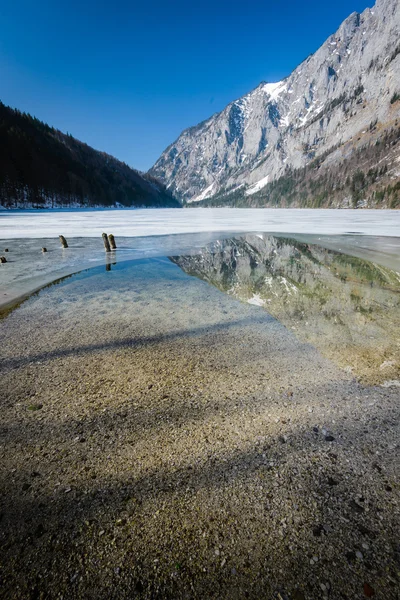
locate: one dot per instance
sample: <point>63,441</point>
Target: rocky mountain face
<point>339,101</point>
<point>345,306</point>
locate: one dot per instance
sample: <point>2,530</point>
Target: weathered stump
<point>63,241</point>
<point>44,249</point>
<point>111,239</point>
<point>3,259</point>
<point>106,242</point>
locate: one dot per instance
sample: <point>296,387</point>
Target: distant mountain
<point>41,167</point>
<point>327,135</point>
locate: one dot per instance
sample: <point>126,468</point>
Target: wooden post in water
<point>3,259</point>
<point>44,249</point>
<point>106,242</point>
<point>63,241</point>
<point>111,239</point>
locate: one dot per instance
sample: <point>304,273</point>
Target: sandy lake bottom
<point>221,424</point>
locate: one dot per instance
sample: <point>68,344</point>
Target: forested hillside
<point>43,167</point>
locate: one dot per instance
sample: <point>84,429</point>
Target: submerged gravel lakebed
<point>161,439</point>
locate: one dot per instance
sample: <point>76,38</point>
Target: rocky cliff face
<point>350,86</point>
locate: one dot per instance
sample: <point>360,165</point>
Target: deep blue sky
<point>127,77</point>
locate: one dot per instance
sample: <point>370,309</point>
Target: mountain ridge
<point>330,98</point>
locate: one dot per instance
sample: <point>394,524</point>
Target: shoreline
<point>24,275</point>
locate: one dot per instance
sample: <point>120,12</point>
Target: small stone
<point>351,557</point>
<point>356,507</point>
<point>315,429</point>
<point>368,591</point>
<point>329,438</point>
<point>35,406</point>
<point>3,259</point>
<point>39,531</point>
<point>359,555</point>
<point>44,250</point>
<point>25,487</point>
<point>5,249</point>
<point>317,530</point>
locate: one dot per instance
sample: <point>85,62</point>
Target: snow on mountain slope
<point>333,95</point>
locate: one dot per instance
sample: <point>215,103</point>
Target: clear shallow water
<point>347,307</point>
<point>149,222</point>
<point>28,268</point>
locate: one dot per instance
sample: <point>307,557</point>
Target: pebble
<point>368,590</point>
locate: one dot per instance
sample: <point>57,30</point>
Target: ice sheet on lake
<point>148,222</point>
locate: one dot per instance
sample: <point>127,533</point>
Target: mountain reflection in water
<point>347,307</point>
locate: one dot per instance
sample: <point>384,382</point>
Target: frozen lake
<point>149,222</point>
<point>371,235</point>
